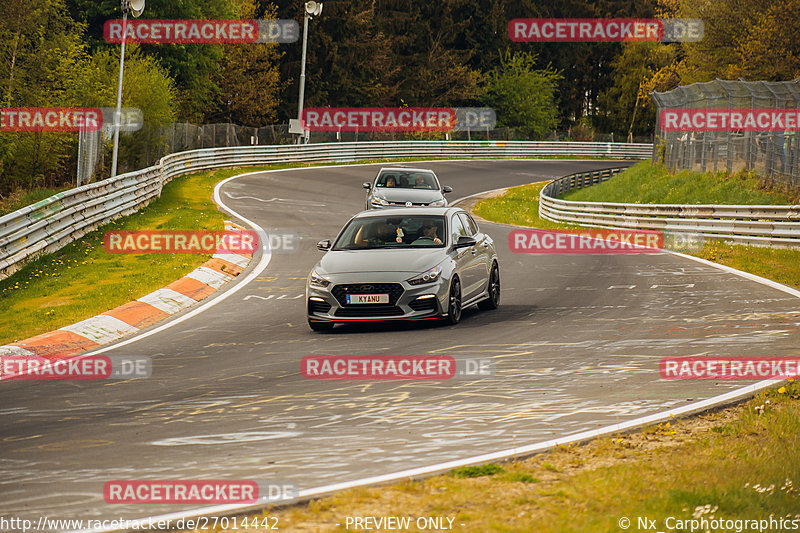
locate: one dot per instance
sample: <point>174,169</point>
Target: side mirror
<point>446,189</point>
<point>465,242</point>
<point>366,185</point>
<point>324,245</point>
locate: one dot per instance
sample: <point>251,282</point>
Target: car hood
<point>416,196</point>
<point>409,260</point>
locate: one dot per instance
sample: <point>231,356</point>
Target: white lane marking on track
<point>226,438</point>
<point>293,202</point>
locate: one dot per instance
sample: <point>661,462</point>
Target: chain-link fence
<point>774,154</point>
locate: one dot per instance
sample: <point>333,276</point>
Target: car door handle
<point>474,251</point>
<point>485,245</point>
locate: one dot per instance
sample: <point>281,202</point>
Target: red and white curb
<point>134,316</point>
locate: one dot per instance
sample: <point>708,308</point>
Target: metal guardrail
<point>758,225</point>
<point>54,222</point>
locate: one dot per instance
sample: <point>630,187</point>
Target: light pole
<point>313,9</point>
<point>136,7</point>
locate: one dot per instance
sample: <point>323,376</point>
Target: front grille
<point>318,307</point>
<point>340,292</point>
<point>403,204</point>
<point>368,310</point>
<point>426,304</point>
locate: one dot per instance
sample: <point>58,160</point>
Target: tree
<point>755,40</point>
<point>248,79</point>
<point>40,61</point>
<point>522,96</point>
<point>626,108</point>
<point>192,66</point>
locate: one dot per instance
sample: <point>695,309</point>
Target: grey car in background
<point>406,264</point>
<point>405,187</point>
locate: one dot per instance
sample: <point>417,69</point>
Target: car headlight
<point>438,203</point>
<point>378,201</point>
<point>317,281</point>
<point>429,276</point>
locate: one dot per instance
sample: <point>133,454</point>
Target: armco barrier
<point>50,224</point>
<point>759,225</point>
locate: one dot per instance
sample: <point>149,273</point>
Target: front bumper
<point>406,301</point>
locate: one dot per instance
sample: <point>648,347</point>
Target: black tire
<point>454,303</point>
<point>320,326</point>
<point>493,301</point>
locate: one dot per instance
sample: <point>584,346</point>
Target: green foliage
<point>49,66</point>
<point>192,66</point>
<point>624,108</point>
<point>649,183</point>
<point>522,96</point>
<point>753,40</point>
<point>42,55</point>
<point>477,471</point>
<point>248,83</point>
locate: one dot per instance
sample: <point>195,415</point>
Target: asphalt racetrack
<point>576,344</point>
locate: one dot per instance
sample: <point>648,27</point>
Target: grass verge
<point>738,463</point>
<point>22,198</point>
<point>82,279</point>
<point>520,206</point>
<point>648,183</point>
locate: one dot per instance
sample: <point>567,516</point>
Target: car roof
<point>406,169</point>
<point>408,211</point>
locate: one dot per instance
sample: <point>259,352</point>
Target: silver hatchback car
<point>403,264</point>
<point>405,187</point>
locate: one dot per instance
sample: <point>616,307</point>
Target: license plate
<point>368,298</point>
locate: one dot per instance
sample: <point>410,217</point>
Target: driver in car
<point>429,230</point>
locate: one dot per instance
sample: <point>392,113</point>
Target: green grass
<point>82,279</point>
<point>718,464</point>
<point>477,471</point>
<point>648,183</point>
<point>520,206</point>
<point>20,199</point>
<point>778,264</point>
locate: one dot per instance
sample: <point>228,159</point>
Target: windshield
<point>415,231</point>
<point>408,180</point>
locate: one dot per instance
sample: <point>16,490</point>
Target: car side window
<point>469,224</point>
<point>457,228</point>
